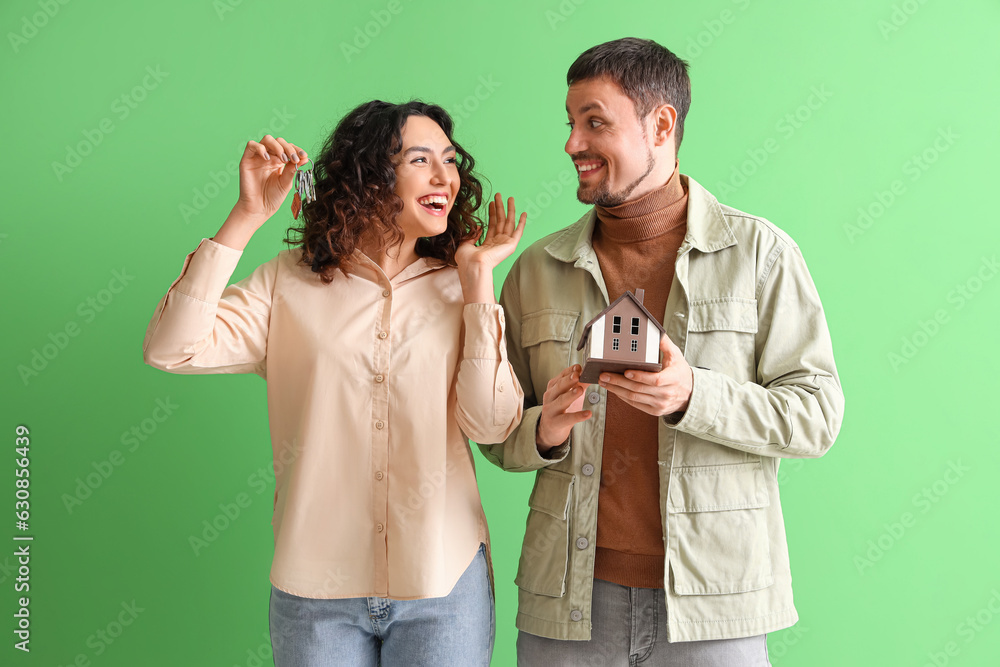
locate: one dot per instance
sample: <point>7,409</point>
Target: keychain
<point>305,190</point>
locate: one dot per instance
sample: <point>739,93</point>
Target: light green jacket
<point>745,312</point>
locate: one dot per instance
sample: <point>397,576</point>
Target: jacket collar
<point>707,229</point>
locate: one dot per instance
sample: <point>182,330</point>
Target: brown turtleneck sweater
<point>636,244</point>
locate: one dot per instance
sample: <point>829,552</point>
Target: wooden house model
<point>623,336</point>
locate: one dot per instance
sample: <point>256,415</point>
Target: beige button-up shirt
<point>373,387</point>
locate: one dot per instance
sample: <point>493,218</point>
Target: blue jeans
<point>629,629</point>
<point>457,629</point>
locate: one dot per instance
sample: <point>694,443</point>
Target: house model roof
<point>635,299</point>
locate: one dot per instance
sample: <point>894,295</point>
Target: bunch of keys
<point>305,190</point>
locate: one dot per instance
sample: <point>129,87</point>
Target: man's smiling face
<point>608,144</point>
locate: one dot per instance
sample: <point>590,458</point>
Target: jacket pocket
<point>547,336</point>
<point>718,527</point>
<point>722,336</point>
<point>545,551</point>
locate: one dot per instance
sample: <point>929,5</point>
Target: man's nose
<point>575,143</point>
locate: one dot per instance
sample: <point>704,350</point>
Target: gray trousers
<point>629,629</point>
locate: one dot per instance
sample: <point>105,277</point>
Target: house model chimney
<point>639,294</point>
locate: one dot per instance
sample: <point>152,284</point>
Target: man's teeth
<point>432,199</point>
<point>588,167</point>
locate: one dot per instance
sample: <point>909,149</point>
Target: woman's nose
<point>440,173</point>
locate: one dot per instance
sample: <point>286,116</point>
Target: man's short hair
<point>650,74</point>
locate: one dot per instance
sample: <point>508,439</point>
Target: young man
<point>655,533</point>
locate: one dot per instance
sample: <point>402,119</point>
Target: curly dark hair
<point>356,190</point>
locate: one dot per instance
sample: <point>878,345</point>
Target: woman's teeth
<point>436,202</point>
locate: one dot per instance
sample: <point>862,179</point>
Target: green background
<point>893,556</point>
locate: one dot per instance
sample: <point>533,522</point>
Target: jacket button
<point>587,469</point>
<point>594,398</point>
<point>581,543</point>
<point>679,316</point>
<point>576,615</point>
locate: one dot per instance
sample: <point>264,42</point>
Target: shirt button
<point>500,388</point>
<point>379,527</point>
<point>379,475</point>
<point>594,398</point>
<point>576,615</point>
<point>581,543</point>
<point>379,378</point>
<point>385,292</point>
<point>587,469</point>
<point>382,334</point>
<point>379,424</point>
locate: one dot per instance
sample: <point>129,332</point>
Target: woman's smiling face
<point>427,178</point>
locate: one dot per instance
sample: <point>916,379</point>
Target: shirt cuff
<point>484,330</point>
<point>207,270</point>
<point>703,406</point>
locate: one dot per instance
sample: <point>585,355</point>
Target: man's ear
<point>664,123</point>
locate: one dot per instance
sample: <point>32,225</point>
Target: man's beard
<point>603,197</point>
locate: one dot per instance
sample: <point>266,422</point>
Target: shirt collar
<point>707,229</point>
<point>365,267</point>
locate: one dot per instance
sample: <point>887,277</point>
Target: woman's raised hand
<point>267,171</point>
<point>503,233</point>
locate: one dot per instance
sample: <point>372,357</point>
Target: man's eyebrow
<point>424,149</point>
<point>587,107</point>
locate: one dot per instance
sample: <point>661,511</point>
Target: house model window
<point>603,348</point>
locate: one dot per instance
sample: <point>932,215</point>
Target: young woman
<point>383,350</point>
